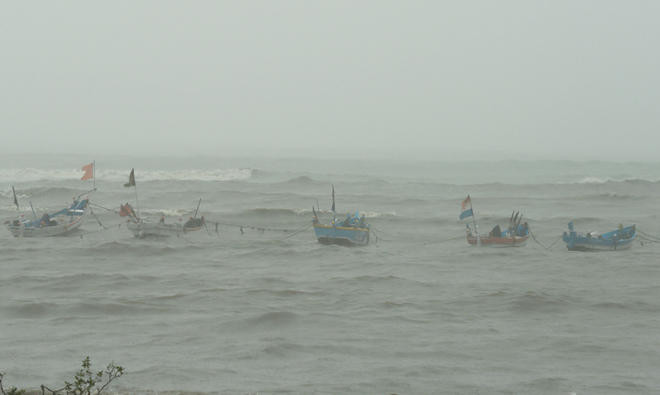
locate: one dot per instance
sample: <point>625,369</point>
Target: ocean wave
<point>275,212</point>
<point>606,180</point>
<point>300,180</point>
<point>121,175</point>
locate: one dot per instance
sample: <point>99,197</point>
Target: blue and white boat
<point>352,231</point>
<point>619,239</point>
<point>59,223</point>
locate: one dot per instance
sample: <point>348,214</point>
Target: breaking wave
<point>607,180</point>
<point>275,212</point>
<point>34,174</point>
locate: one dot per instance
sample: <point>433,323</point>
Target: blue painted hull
<point>328,234</point>
<point>615,240</point>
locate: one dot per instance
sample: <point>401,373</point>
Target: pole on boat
<point>33,212</point>
<point>15,200</point>
<point>137,203</point>
<point>197,209</point>
<point>474,222</point>
<point>334,213</point>
<point>94,173</point>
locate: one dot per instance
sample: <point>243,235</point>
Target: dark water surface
<point>419,311</point>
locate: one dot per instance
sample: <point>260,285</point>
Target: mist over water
<point>417,311</point>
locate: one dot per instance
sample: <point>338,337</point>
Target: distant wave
<point>607,196</point>
<point>606,180</point>
<point>272,212</point>
<point>33,174</point>
<point>301,180</point>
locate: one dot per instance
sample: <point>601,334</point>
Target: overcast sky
<point>432,79</point>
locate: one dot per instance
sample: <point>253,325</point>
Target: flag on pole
<point>466,212</point>
<point>131,179</point>
<point>89,172</point>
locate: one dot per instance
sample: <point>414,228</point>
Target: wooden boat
<point>619,239</point>
<point>342,235</point>
<point>59,223</point>
<point>491,241</point>
<point>145,227</point>
<point>353,231</point>
<point>514,235</point>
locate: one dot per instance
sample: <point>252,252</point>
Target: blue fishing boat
<point>619,239</point>
<point>352,231</point>
<point>56,224</point>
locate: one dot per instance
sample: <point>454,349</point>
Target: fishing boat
<point>58,223</point>
<point>352,231</point>
<point>146,227</point>
<point>514,235</point>
<point>619,239</point>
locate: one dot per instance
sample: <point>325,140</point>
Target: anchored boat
<point>352,231</point>
<point>145,227</point>
<point>56,224</point>
<point>514,235</point>
<point>619,239</point>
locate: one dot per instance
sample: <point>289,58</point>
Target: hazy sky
<point>435,79</point>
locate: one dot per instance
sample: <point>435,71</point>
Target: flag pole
<point>94,173</point>
<point>15,200</point>
<point>137,203</point>
<point>474,221</point>
<point>197,209</point>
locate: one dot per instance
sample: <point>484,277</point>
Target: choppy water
<point>269,312</point>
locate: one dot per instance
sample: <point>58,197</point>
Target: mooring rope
<point>252,227</point>
<point>541,244</point>
<point>97,218</point>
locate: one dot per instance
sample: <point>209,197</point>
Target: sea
<point>253,304</point>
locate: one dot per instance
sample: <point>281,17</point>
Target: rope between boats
<point>297,232</point>
<point>251,227</point>
<point>541,244</point>
<point>648,237</point>
<point>104,208</point>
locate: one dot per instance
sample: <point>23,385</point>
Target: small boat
<point>514,235</point>
<point>619,239</point>
<point>352,231</point>
<point>144,227</point>
<point>59,223</point>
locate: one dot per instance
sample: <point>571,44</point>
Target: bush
<point>85,382</point>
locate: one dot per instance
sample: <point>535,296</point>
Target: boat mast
<point>197,209</point>
<point>474,222</point>
<point>334,213</point>
<point>15,200</point>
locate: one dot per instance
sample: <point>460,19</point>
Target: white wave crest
<point>594,180</point>
<point>605,180</point>
<point>177,212</point>
<point>34,174</point>
<point>367,214</point>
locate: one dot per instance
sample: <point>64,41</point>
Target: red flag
<point>89,171</point>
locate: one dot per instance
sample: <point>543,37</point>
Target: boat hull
<point>617,240</point>
<point>341,235</point>
<point>61,223</point>
<point>46,231</point>
<point>498,242</point>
